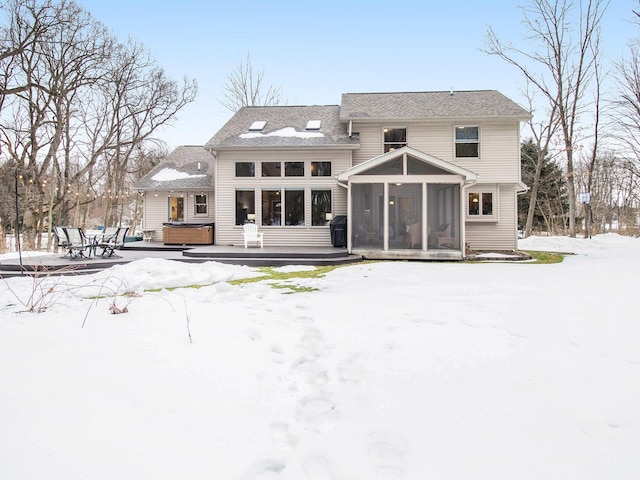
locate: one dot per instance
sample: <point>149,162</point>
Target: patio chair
<point>251,234</point>
<point>60,239</point>
<point>78,244</point>
<point>109,242</point>
<point>442,237</point>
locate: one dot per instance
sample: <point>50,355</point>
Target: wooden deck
<point>56,263</point>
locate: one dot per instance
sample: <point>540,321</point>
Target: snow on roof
<point>170,174</point>
<point>283,132</point>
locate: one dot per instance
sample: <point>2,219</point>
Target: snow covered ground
<point>389,370</point>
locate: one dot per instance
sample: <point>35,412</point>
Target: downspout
<point>348,211</point>
<point>467,184</point>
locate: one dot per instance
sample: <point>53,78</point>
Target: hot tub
<point>182,233</point>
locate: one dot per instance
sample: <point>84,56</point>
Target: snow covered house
<point>418,174</point>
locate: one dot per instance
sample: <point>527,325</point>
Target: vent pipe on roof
<point>451,91</point>
<point>198,166</point>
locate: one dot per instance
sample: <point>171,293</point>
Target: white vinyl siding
<point>501,233</point>
<point>500,153</point>
<point>227,233</point>
<point>499,146</point>
<point>370,143</point>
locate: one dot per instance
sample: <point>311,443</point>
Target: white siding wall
<point>499,146</point>
<point>227,233</point>
<point>156,210</point>
<point>500,234</point>
<point>499,153</point>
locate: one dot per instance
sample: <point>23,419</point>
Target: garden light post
<point>17,229</point>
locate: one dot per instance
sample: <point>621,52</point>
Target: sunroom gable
<point>417,163</point>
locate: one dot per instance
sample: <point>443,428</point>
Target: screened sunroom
<point>406,204</point>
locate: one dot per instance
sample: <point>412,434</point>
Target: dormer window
<point>314,125</point>
<point>257,126</point>
<point>394,138</point>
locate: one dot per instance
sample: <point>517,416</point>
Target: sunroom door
<point>405,215</point>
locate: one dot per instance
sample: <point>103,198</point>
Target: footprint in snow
<point>387,451</point>
<point>281,436</point>
<point>351,370</point>
<point>317,467</point>
<point>264,470</point>
<point>317,413</point>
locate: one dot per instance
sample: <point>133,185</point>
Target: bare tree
<point>542,133</point>
<point>77,105</point>
<point>245,88</point>
<point>560,65</point>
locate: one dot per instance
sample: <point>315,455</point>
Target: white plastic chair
<point>251,234</point>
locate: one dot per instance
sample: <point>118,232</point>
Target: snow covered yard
<point>390,370</point>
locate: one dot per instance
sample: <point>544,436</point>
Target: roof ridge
<point>421,91</point>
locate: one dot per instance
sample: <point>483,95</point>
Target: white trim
<point>468,175</point>
<point>456,127</point>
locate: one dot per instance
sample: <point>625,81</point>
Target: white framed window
<point>394,138</point>
<point>321,209</point>
<point>245,206</point>
<point>245,169</point>
<point>482,203</point>
<point>294,207</point>
<point>467,141</point>
<point>200,204</point>
<point>320,169</point>
<point>271,207</point>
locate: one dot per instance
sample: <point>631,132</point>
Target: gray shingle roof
<point>286,127</point>
<point>179,170</point>
<point>429,106</point>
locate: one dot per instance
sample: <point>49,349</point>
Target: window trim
<point>249,209</point>
<point>385,143</point>
<point>313,171</point>
<point>324,222</point>
<point>285,202</point>
<point>465,141</point>
<point>495,202</point>
<point>250,162</point>
<point>287,162</point>
<point>195,204</point>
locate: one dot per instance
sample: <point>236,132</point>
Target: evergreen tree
<point>552,205</point>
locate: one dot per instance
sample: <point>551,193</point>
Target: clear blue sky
<point>315,51</point>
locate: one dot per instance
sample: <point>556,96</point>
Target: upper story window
<point>200,204</point>
<point>394,138</point>
<point>467,142</point>
<point>291,169</point>
<point>294,169</point>
<point>245,169</point>
<point>320,169</point>
<point>271,169</point>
